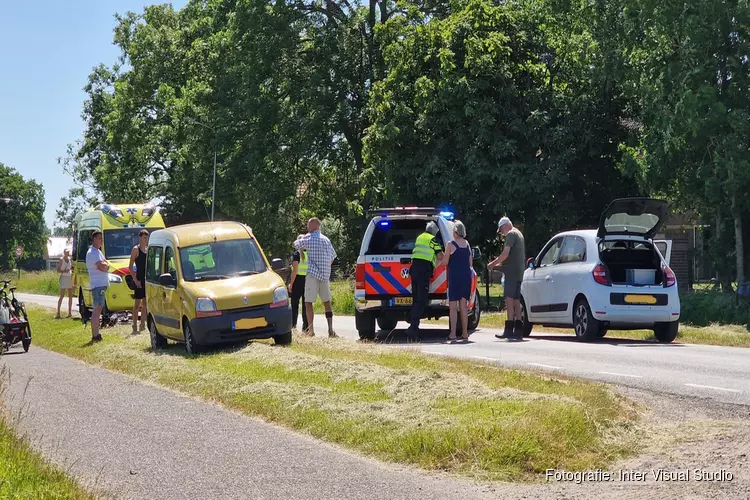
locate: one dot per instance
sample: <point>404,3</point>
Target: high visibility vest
<point>423,249</point>
<point>302,269</point>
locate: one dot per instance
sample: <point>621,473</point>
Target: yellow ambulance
<point>120,225</point>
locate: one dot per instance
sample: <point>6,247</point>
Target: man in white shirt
<point>320,257</point>
<point>98,268</point>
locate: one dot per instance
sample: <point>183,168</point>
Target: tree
<point>21,217</point>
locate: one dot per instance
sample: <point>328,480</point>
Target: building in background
<point>55,248</point>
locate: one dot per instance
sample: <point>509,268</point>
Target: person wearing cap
<point>424,257</point>
<point>513,263</point>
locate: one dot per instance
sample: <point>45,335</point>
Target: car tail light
<point>359,280</point>
<point>601,275</point>
<point>669,277</point>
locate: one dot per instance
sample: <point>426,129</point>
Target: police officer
<point>297,286</point>
<point>423,260</point>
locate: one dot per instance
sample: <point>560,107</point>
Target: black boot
<point>508,332</point>
<point>518,330</point>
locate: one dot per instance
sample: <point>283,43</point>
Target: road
<point>706,372</point>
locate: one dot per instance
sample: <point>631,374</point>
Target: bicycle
<point>14,320</point>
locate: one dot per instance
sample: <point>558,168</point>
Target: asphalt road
<point>706,372</point>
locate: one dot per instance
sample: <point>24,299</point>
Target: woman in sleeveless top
<point>457,258</point>
<point>138,257</point>
<point>65,268</point>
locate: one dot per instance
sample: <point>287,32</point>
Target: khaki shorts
<point>315,288</point>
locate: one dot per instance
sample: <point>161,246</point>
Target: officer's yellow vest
<point>423,250</point>
<point>302,269</point>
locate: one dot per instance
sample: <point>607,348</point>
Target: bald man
<point>320,257</point>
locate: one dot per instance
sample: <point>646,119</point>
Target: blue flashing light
<point>447,215</point>
<point>384,223</point>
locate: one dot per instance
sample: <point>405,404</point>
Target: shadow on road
<point>605,340</point>
<point>428,336</point>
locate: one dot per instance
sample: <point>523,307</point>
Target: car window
<point>222,259</point>
<point>551,253</point>
<point>153,264</point>
<point>171,262</point>
<point>397,236</point>
<point>573,250</point>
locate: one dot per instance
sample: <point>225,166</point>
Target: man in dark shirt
<point>513,261</point>
<point>297,286</point>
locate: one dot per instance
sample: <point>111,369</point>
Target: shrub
<point>706,307</point>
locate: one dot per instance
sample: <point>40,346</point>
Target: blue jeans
<point>100,296</point>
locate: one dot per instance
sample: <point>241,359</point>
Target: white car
<point>606,279</point>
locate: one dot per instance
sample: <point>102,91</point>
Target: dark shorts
<point>512,289</point>
<point>140,293</point>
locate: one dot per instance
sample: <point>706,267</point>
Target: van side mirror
<point>167,280</point>
<point>476,253</point>
<point>277,264</point>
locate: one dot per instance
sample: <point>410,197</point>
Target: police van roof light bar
<point>385,212</point>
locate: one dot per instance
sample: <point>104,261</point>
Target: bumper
<point>119,297</point>
<point>218,330</point>
<point>636,315</point>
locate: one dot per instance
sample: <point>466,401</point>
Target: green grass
<point>468,418</point>
<point>42,282</point>
<point>24,474</point>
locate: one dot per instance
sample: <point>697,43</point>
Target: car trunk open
<point>633,216</point>
<point>632,262</point>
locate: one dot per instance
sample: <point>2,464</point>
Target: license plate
<point>249,323</point>
<point>640,299</point>
<point>403,301</point>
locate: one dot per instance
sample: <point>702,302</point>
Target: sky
<point>47,50</point>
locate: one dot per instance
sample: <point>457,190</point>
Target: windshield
<point>118,243</point>
<point>222,259</point>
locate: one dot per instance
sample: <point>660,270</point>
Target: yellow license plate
<point>249,323</point>
<point>403,301</point>
<point>640,299</point>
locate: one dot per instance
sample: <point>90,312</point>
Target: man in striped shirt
<point>320,257</point>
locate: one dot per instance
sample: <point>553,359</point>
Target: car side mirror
<point>277,264</point>
<point>168,280</point>
<point>530,263</point>
<point>476,253</point>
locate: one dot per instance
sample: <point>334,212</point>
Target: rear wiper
<point>207,277</point>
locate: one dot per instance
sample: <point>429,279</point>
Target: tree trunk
<point>739,244</point>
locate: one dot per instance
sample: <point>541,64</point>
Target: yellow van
<point>120,225</point>
<point>210,283</point>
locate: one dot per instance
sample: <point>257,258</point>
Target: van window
<point>153,264</point>
<point>171,262</point>
<point>83,244</point>
<point>396,236</point>
<point>222,259</point>
<point>118,243</point>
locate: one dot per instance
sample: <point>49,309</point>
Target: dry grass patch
<point>459,416</point>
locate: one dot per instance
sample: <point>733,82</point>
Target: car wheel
<point>387,323</point>
<point>365,323</point>
<point>527,325</point>
<point>284,339</point>
<point>586,326</point>
<point>26,342</point>
<point>476,313</point>
<point>157,340</point>
<point>191,347</point>
<point>666,332</point>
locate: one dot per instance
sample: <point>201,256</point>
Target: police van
<point>382,292</point>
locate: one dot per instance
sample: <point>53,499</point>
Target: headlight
<point>205,307</point>
<point>114,278</point>
<point>280,297</point>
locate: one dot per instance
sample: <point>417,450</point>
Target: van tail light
<point>601,275</point>
<point>359,280</point>
<point>669,277</point>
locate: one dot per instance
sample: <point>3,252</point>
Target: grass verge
<point>41,282</point>
<point>23,472</point>
<point>468,418</point>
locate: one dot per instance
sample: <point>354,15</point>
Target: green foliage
<point>709,307</point>
<point>21,217</point>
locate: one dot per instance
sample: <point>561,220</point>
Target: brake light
<point>601,275</point>
<point>669,277</point>
<point>359,280</point>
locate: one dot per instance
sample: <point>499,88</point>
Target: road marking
<point>712,387</point>
<point>545,366</point>
<point>485,358</point>
<point>621,374</point>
